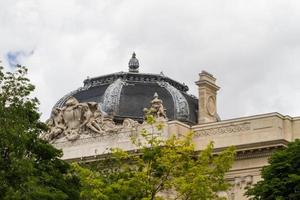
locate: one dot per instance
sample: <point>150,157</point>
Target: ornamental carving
<point>211,106</point>
<point>112,96</point>
<point>243,181</point>
<point>224,130</point>
<point>76,120</point>
<point>156,109</point>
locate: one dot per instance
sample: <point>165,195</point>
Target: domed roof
<point>126,94</point>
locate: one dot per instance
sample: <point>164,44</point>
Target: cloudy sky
<point>251,47</point>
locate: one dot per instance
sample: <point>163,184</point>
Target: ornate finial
<point>133,64</point>
<point>155,95</point>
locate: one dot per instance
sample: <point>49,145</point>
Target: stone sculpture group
<point>76,119</point>
<point>157,109</point>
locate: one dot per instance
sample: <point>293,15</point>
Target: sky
<point>251,47</point>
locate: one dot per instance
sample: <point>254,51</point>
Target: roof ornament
<point>82,120</point>
<point>157,109</point>
<point>133,64</point>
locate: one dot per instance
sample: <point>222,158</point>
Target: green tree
<point>30,168</point>
<point>158,167</point>
<point>281,179</point>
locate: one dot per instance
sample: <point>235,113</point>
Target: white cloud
<point>252,47</point>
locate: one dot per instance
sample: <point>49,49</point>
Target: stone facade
<point>207,109</point>
<point>255,137</point>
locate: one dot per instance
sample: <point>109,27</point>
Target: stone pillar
<point>207,105</point>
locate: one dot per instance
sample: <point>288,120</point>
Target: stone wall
<point>255,138</point>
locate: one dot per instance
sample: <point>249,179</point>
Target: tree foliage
<point>159,169</point>
<point>30,168</point>
<point>281,179</point>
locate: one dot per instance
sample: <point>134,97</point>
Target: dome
<point>126,94</point>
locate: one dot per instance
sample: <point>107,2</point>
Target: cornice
<point>256,150</point>
<point>244,119</point>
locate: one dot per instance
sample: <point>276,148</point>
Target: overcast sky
<point>251,47</point>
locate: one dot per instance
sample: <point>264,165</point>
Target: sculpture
<point>92,117</point>
<point>95,121</point>
<point>109,126</point>
<point>130,124</point>
<point>76,119</point>
<point>72,113</point>
<point>157,109</point>
<point>55,124</point>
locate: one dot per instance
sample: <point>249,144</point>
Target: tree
<point>281,179</point>
<point>160,167</point>
<point>30,168</point>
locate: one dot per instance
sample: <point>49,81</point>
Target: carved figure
<point>94,120</point>
<point>157,108</point>
<point>72,112</point>
<point>81,118</point>
<point>130,124</point>
<point>55,124</point>
<point>110,126</point>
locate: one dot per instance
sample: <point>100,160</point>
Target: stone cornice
<point>256,150</point>
<point>204,83</point>
<point>244,119</point>
<point>176,122</point>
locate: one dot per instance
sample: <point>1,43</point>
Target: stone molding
<point>236,128</point>
<point>246,119</point>
<point>256,150</point>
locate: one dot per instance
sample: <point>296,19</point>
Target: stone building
<point>108,109</point>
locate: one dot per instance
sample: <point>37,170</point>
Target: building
<point>108,109</point>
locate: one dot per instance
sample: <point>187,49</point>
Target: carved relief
<point>76,119</point>
<point>157,109</point>
<point>92,119</point>
<point>237,189</point>
<point>72,116</point>
<point>130,124</point>
<point>55,124</point>
<point>224,130</point>
<point>112,96</point>
<point>211,106</point>
<point>239,184</point>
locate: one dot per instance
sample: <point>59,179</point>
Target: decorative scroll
<point>112,97</point>
<point>180,103</point>
<point>224,130</point>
